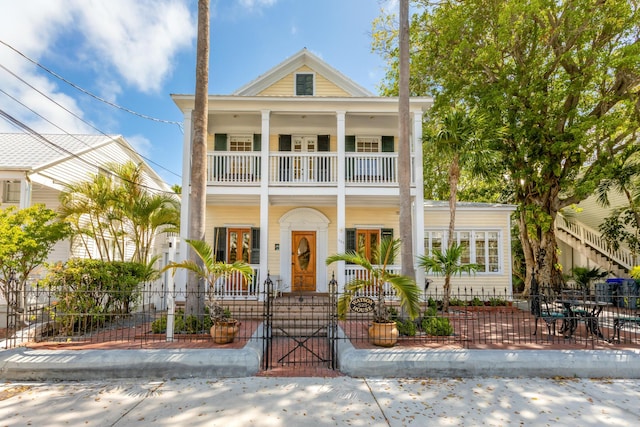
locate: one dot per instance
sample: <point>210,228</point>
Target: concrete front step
<point>300,315</point>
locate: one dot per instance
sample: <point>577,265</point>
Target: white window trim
<point>472,247</point>
<point>377,138</point>
<point>295,82</point>
<point>6,192</point>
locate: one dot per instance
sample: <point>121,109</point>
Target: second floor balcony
<point>303,169</point>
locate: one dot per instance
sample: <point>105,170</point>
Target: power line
<point>41,138</point>
<point>86,92</point>
<point>76,116</point>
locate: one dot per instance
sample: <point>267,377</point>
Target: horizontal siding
<point>285,86</point>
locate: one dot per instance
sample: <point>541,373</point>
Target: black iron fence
<point>600,317</point>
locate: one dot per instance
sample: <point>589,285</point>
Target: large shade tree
<point>561,79</point>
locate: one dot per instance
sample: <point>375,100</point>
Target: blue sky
<point>135,53</point>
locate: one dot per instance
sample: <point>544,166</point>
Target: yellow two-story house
<point>302,163</point>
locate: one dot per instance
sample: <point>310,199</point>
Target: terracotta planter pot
<point>383,334</point>
<point>224,332</point>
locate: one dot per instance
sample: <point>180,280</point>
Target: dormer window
<point>304,84</point>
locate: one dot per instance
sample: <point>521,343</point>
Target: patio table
<point>588,311</point>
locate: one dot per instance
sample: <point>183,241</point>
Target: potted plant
<point>383,331</point>
<point>224,328</point>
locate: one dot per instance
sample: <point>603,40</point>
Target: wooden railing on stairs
<point>593,239</point>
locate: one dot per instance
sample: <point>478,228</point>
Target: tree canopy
<point>560,79</point>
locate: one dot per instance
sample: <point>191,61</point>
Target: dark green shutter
<point>387,144</point>
<point>323,142</point>
<point>350,240</point>
<point>387,233</point>
<point>350,143</point>
<point>257,142</point>
<point>220,142</point>
<point>220,243</point>
<point>284,144</point>
<point>255,246</point>
<point>324,163</point>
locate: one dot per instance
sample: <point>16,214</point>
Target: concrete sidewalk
<point>323,402</point>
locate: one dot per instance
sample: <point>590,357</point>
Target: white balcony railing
<point>303,168</point>
<point>354,272</point>
<point>287,168</point>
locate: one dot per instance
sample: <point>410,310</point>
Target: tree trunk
<point>454,177</point>
<point>197,197</point>
<point>404,149</point>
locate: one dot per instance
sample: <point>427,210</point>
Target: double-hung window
<point>11,192</point>
<point>481,247</point>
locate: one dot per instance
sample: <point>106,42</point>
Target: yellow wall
<point>285,86</point>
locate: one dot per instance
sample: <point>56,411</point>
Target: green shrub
<point>434,325</point>
<point>457,302</point>
<point>476,302</point>
<point>497,302</point>
<point>406,327</point>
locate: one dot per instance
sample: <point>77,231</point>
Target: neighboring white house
<point>303,163</point>
<point>35,168</point>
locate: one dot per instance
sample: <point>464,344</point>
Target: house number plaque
<point>362,305</point>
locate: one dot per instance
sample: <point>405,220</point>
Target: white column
<point>418,220</point>
<point>25,193</point>
<point>341,197</point>
<point>264,197</point>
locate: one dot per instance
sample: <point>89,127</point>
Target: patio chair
<point>542,309</point>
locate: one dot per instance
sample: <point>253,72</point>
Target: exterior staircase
<point>301,314</point>
<point>591,244</point>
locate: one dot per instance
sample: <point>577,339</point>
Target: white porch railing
<point>233,167</point>
<point>303,168</point>
<point>354,272</point>
<point>287,168</point>
<point>236,287</point>
<point>594,239</point>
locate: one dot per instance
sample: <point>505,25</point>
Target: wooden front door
<point>303,261</point>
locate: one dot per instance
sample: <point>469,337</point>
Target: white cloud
<point>120,44</point>
<point>141,144</point>
<point>257,4</point>
<point>139,39</point>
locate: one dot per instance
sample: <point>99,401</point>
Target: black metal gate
<point>300,329</point>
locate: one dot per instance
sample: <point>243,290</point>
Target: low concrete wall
<point>421,363</point>
<point>23,364</point>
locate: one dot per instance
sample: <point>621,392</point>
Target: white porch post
<point>341,198</point>
<point>25,192</point>
<point>418,233</point>
<point>264,197</point>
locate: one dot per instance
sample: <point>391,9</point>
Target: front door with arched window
<point>303,261</point>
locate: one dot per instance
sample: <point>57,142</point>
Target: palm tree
<point>376,278</point>
<point>210,270</point>
<point>446,263</point>
<point>404,149</point>
<point>197,179</point>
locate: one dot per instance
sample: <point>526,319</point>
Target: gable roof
<point>29,152</point>
<point>288,66</point>
<point>47,158</point>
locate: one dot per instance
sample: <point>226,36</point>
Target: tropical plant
<point>113,209</point>
<point>211,271</point>
<point>376,278</point>
<point>446,263</point>
<point>584,276</point>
